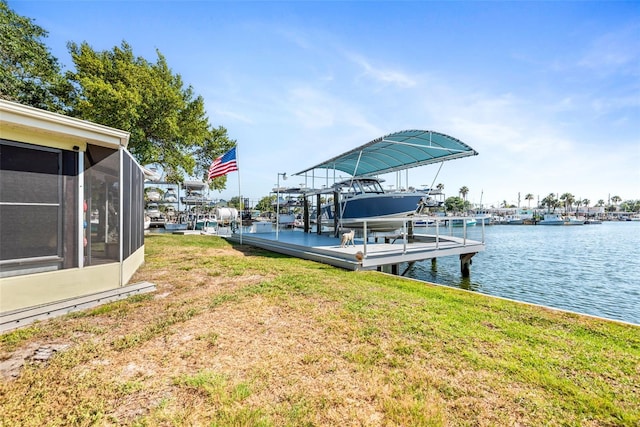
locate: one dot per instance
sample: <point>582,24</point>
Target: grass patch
<point>241,336</point>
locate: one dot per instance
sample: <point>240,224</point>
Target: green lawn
<point>236,336</point>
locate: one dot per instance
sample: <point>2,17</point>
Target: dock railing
<point>404,222</point>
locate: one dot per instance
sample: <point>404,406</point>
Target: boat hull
<point>381,205</point>
<point>174,226</point>
<point>552,219</point>
<point>388,209</point>
<point>460,223</point>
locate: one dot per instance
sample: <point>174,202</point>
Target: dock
<point>359,204</point>
<point>379,251</point>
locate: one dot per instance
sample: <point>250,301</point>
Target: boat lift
<point>391,153</point>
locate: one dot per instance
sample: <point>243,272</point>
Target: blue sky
<point>548,93</point>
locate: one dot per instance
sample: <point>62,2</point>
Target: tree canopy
<point>167,122</point>
<point>29,74</point>
<point>455,204</point>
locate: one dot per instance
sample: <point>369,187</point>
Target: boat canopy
<point>397,151</point>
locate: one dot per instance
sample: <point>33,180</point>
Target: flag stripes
<point>224,164</point>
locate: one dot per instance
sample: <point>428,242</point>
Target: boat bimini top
<point>397,151</point>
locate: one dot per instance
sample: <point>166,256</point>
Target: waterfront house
<point>71,208</point>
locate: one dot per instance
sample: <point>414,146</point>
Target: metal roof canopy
<point>397,151</point>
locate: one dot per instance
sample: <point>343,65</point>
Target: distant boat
<point>514,219</point>
<point>170,196</point>
<point>460,222</point>
<point>153,211</point>
<point>206,222</point>
<point>572,220</point>
<point>153,194</point>
<point>174,226</point>
<point>552,219</point>
<point>487,219</point>
<point>151,173</point>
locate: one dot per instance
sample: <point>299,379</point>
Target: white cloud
<point>617,51</point>
<point>233,116</point>
<point>382,74</point>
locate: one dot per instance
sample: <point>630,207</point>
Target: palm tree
<point>464,191</point>
<point>529,198</point>
<point>568,199</point>
<point>600,203</point>
<point>550,201</point>
<point>616,199</point>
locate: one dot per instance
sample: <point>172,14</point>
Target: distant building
<point>71,208</point>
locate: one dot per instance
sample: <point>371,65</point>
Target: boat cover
<point>397,151</point>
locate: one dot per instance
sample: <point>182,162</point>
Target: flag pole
<point>239,192</point>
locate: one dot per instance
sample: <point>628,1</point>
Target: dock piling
<point>465,264</point>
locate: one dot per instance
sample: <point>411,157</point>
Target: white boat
<point>152,210</point>
<point>170,196</point>
<point>206,222</point>
<point>572,220</point>
<point>174,226</point>
<point>210,226</point>
<point>153,194</point>
<point>286,218</point>
<point>514,219</point>
<point>487,219</point>
<point>552,219</point>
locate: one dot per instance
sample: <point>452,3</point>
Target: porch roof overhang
<point>397,151</point>
<point>15,115</point>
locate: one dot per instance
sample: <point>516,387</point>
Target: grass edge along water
<point>236,335</point>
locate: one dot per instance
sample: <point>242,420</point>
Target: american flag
<point>224,164</point>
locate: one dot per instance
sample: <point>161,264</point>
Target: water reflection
<point>428,271</point>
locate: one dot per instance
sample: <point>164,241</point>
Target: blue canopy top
<point>397,151</point>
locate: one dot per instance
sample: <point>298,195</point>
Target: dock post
<point>306,214</point>
<point>318,215</point>
<point>434,263</point>
<point>465,264</point>
<point>337,213</point>
<point>411,264</point>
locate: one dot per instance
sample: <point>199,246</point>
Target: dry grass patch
<point>238,336</point>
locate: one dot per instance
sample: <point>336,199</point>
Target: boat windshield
<point>371,187</point>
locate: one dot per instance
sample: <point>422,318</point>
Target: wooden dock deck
<point>383,253</point>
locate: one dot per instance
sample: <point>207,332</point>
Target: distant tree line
<point>460,203</point>
<point>166,119</point>
<point>567,201</point>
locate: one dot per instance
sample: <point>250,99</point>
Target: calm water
<point>591,269</point>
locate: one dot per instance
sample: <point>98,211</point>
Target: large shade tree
<point>29,73</point>
<point>166,120</point>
